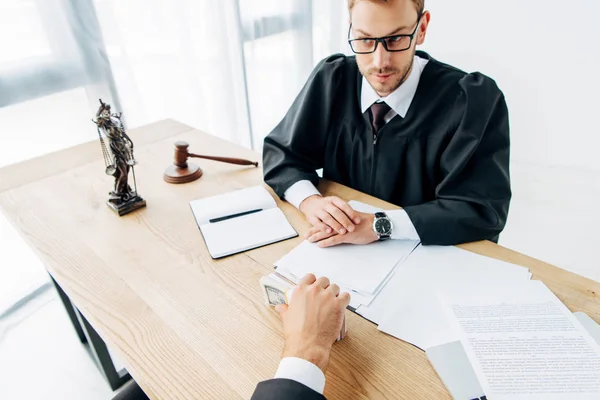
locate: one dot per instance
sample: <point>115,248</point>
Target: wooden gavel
<point>182,172</point>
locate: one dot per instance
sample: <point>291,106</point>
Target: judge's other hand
<point>363,234</point>
<point>330,214</point>
<point>313,320</point>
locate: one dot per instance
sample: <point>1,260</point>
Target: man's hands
<point>330,214</point>
<point>335,222</point>
<point>313,320</point>
<point>362,234</point>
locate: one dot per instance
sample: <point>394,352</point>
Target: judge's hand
<point>330,214</point>
<point>313,320</point>
<point>363,234</point>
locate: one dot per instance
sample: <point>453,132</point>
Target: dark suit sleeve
<point>473,196</point>
<point>295,148</point>
<point>279,389</point>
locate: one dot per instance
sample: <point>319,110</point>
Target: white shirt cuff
<point>402,226</point>
<point>302,371</point>
<point>300,191</point>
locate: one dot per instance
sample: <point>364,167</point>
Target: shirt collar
<point>399,100</point>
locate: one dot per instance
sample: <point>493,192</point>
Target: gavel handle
<point>238,161</point>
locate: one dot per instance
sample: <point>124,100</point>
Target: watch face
<point>383,226</point>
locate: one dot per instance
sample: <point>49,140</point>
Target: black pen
<point>234,215</point>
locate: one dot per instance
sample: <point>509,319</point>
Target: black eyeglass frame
<point>383,39</point>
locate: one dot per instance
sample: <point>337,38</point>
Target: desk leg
<point>93,342</point>
<point>100,353</point>
<point>70,311</point>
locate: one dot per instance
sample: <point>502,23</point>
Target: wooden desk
<point>187,326</point>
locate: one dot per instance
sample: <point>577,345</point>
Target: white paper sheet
<point>408,307</point>
<point>359,268</point>
<point>364,207</point>
<point>524,343</point>
<point>359,299</point>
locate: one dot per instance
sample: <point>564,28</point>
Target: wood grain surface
<point>186,326</point>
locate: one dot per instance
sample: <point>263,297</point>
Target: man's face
<point>384,70</point>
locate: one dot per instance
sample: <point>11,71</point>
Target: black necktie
<point>378,112</point>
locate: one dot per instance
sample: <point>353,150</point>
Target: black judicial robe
<point>446,162</point>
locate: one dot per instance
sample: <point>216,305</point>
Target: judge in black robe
<point>446,163</point>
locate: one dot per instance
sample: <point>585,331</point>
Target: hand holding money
<point>278,290</point>
<point>313,319</point>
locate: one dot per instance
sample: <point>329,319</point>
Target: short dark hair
<point>419,4</point>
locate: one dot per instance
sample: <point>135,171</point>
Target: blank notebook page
<point>252,198</point>
<point>247,232</point>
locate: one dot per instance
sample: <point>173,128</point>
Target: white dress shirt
<point>300,370</point>
<point>399,101</point>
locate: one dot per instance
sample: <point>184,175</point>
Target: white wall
<point>545,56</point>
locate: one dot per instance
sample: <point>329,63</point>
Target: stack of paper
<point>359,270</point>
<point>395,283</point>
<point>408,306</point>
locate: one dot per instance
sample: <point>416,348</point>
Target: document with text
<point>523,343</point>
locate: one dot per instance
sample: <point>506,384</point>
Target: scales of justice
<point>119,161</point>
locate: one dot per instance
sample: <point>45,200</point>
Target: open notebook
<point>240,220</point>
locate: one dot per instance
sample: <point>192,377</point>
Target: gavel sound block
<point>182,172</point>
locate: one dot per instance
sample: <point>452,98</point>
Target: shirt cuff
<point>302,371</point>
<point>300,191</point>
<point>402,226</point>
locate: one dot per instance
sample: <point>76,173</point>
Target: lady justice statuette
<point>118,158</point>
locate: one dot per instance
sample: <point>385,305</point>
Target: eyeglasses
<point>390,43</point>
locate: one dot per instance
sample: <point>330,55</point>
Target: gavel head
<point>181,154</point>
<point>181,171</point>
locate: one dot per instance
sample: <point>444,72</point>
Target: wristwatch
<point>382,225</point>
